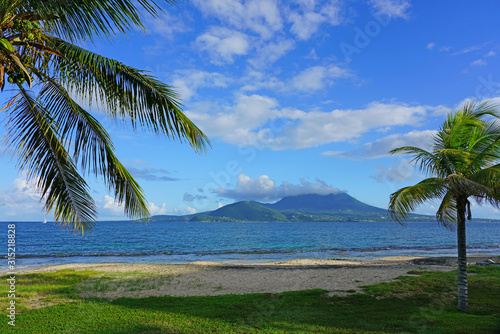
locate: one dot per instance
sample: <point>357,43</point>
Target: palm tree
<point>57,140</point>
<point>464,163</point>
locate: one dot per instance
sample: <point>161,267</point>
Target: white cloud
<point>431,46</point>
<point>309,80</point>
<point>318,77</point>
<point>157,210</point>
<point>189,210</point>
<point>399,172</point>
<point>316,128</point>
<point>256,80</point>
<point>381,147</point>
<point>167,25</point>
<point>260,16</point>
<point>470,49</point>
<point>21,200</point>
<point>259,121</point>
<point>479,62</point>
<point>307,20</point>
<point>186,82</point>
<point>111,206</point>
<point>237,124</point>
<point>264,189</point>
<point>392,8</point>
<point>271,52</point>
<point>223,44</point>
<point>490,54</point>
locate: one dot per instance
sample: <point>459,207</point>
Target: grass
<point>422,302</point>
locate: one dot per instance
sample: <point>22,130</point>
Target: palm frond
<point>34,135</point>
<point>485,145</point>
<point>126,93</point>
<point>89,19</point>
<point>489,177</point>
<point>461,185</point>
<point>406,200</point>
<point>93,147</point>
<point>485,108</point>
<point>425,160</point>
<point>446,214</point>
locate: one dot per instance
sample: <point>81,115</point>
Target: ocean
<point>38,244</point>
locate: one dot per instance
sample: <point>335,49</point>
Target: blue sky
<point>300,96</point>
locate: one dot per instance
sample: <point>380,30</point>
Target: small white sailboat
<point>44,222</point>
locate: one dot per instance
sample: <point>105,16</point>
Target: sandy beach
<point>339,277</point>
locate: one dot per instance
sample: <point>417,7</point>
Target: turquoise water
<point>40,244</point>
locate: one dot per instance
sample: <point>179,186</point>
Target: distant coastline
<point>339,207</point>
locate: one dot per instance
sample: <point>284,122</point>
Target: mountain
<point>300,208</point>
<point>243,211</point>
<point>331,203</point>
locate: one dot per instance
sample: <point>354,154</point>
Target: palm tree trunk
<point>462,255</point>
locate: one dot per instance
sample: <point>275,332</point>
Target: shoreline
<point>204,278</point>
<point>447,260</point>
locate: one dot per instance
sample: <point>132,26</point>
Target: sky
<point>297,97</point>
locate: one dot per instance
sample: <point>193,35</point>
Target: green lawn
<point>422,302</point>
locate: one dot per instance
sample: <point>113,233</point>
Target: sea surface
<point>38,244</point>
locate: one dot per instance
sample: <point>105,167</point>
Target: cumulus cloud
<point>110,206</point>
<point>318,77</point>
<point>308,80</point>
<point>398,172</point>
<point>307,20</point>
<point>167,25</point>
<point>239,123</point>
<point>189,210</point>
<point>259,121</point>
<point>223,44</point>
<point>265,189</point>
<point>187,82</point>
<point>157,210</point>
<point>259,16</point>
<point>269,53</point>
<point>317,128</point>
<point>392,8</point>
<point>381,147</point>
<point>21,201</point>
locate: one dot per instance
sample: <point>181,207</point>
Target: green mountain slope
<point>300,208</point>
<point>324,204</point>
<point>242,211</point>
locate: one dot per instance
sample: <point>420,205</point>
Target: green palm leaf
<point>126,93</point>
<point>425,160</point>
<point>93,148</point>
<point>407,199</point>
<point>47,124</point>
<point>447,211</point>
<point>34,135</point>
<point>89,19</point>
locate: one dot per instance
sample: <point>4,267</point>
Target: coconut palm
<point>57,140</point>
<point>464,163</point>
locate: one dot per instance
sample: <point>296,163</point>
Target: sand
<point>339,277</point>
